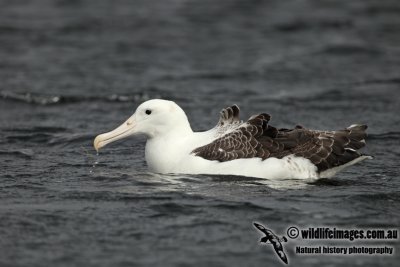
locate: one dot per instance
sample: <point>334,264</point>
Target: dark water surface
<point>70,70</point>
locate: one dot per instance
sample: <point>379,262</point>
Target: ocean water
<point>70,70</point>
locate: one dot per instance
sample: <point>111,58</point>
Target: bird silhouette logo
<point>274,240</point>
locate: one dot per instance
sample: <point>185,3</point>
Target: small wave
<point>11,29</point>
<point>332,182</point>
<point>34,137</point>
<point>25,153</point>
<point>393,80</point>
<point>81,26</point>
<point>211,75</point>
<point>384,136</point>
<point>203,222</point>
<point>380,196</point>
<point>171,207</point>
<point>241,205</point>
<point>49,135</point>
<point>26,186</point>
<point>301,25</point>
<point>333,94</point>
<point>35,129</point>
<point>43,99</point>
<point>377,9</point>
<point>71,138</point>
<point>349,49</point>
<point>107,195</point>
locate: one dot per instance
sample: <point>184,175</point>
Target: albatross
<point>234,147</point>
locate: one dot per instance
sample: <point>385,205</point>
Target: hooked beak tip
<point>97,143</point>
<point>124,130</point>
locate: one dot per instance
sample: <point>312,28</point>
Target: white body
<point>170,141</point>
<point>169,154</point>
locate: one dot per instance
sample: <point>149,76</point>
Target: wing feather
<point>256,138</point>
<point>228,120</point>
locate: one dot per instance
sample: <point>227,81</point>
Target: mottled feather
<point>256,138</point>
<point>228,120</point>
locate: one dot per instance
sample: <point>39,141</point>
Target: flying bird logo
<point>274,240</point>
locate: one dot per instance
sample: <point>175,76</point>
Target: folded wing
<point>257,139</point>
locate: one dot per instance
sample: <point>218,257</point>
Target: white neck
<point>166,149</point>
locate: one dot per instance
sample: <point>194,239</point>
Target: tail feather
<point>357,135</point>
<point>345,146</point>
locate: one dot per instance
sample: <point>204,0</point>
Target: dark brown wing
<point>242,142</point>
<point>323,148</point>
<point>256,138</point>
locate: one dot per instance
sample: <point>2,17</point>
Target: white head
<point>152,118</point>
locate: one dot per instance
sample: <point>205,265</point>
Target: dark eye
<point>148,111</point>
